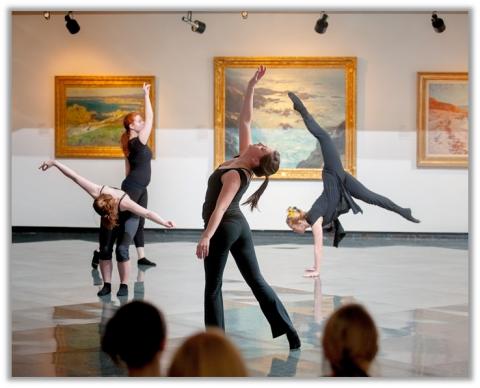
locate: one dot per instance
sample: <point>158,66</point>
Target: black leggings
<point>234,235</point>
<point>333,162</point>
<point>139,195</point>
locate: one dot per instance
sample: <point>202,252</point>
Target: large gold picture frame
<point>327,86</point>
<point>442,119</point>
<point>89,112</point>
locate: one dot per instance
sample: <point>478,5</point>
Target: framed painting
<point>327,86</point>
<point>89,112</point>
<point>442,119</point>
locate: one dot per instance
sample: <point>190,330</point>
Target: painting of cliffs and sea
<point>326,86</point>
<point>90,112</point>
<point>443,120</point>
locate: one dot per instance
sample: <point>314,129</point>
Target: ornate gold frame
<point>347,63</point>
<point>423,160</point>
<point>62,149</point>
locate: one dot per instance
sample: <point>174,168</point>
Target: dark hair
<point>135,334</point>
<point>106,206</point>
<point>268,165</point>
<point>127,120</point>
<point>350,337</point>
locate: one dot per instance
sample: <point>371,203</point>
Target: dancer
<point>227,230</point>
<point>138,158</point>
<point>338,189</point>
<point>112,205</point>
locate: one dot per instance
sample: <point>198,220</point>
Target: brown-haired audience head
<point>106,206</point>
<point>135,335</point>
<point>207,354</point>
<point>131,122</point>
<point>350,341</point>
<point>266,162</point>
<point>297,219</point>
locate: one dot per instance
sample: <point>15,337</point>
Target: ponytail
<point>253,199</point>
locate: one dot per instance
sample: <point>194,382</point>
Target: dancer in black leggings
<point>111,204</point>
<point>138,158</point>
<point>227,230</point>
<point>338,189</point>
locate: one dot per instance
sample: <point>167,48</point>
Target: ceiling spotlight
<point>437,23</point>
<point>72,25</point>
<point>197,25</point>
<point>244,14</point>
<point>46,15</point>
<point>322,24</point>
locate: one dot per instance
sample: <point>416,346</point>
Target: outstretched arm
<point>91,188</point>
<point>128,205</point>
<point>147,129</point>
<point>231,184</point>
<point>317,231</point>
<point>245,119</point>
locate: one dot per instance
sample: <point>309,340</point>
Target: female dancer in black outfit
<point>111,204</point>
<point>338,189</point>
<point>138,157</point>
<point>227,230</point>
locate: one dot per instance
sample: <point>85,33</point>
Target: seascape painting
<point>443,120</point>
<point>89,113</point>
<point>275,123</point>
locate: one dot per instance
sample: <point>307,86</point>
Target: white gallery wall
<point>390,48</point>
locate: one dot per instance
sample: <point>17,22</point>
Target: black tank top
<point>139,158</point>
<point>213,191</point>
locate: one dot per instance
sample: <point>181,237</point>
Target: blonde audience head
<point>207,354</point>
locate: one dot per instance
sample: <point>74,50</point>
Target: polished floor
<point>417,292</point>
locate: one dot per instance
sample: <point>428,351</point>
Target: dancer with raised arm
<point>336,199</point>
<point>112,205</point>
<point>138,158</point>
<point>227,230</point>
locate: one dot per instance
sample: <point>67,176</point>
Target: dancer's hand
<point>146,88</point>
<point>203,247</point>
<point>46,165</point>
<point>257,76</point>
<point>169,224</point>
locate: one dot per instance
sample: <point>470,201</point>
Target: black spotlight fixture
<point>322,24</point>
<point>72,25</point>
<point>437,23</point>
<point>197,25</point>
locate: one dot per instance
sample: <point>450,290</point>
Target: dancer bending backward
<point>111,204</point>
<point>336,199</point>
<point>138,158</point>
<point>227,230</point>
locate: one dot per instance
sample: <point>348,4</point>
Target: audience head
<point>135,335</point>
<point>350,341</point>
<point>207,354</point>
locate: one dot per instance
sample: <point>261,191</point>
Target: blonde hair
<point>106,206</point>
<point>294,215</point>
<point>207,354</point>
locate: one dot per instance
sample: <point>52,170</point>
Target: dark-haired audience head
<point>265,162</point>
<point>350,341</point>
<point>207,354</point>
<point>106,206</point>
<point>135,336</point>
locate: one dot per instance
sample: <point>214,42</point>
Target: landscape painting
<point>325,85</point>
<point>443,119</point>
<point>90,112</point>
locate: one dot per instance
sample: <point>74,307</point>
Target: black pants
<point>234,235</point>
<point>107,238</point>
<point>129,223</point>
<point>333,162</point>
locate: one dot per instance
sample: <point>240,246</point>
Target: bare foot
<point>311,269</point>
<point>311,274</point>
